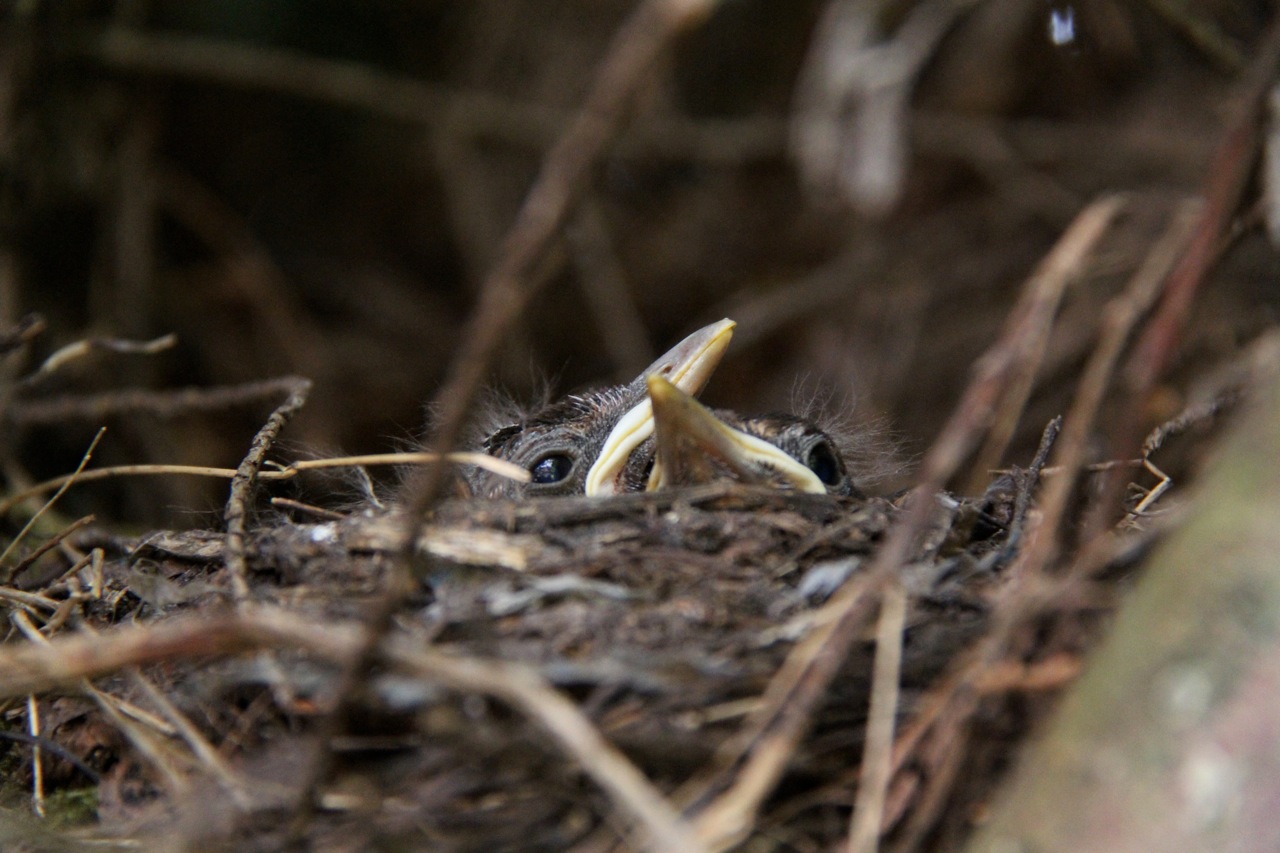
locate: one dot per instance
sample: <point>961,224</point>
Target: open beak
<point>687,366</point>
<point>695,446</point>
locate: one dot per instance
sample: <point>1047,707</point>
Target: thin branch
<point>242,485</point>
<point>1229,173</point>
<point>172,403</point>
<point>877,755</point>
<point>26,528</point>
<point>285,472</point>
<point>768,739</point>
<point>82,349</point>
<point>473,114</point>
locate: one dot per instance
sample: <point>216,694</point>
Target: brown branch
<point>1228,177</point>
<point>474,114</point>
<point>1118,320</point>
<point>877,755</point>
<point>65,661</point>
<point>246,478</point>
<point>760,752</point>
<point>563,177</point>
<point>170,403</point>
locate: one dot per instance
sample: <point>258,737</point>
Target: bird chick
<point>696,445</point>
<point>591,443</point>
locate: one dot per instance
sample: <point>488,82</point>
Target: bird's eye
<point>822,461</point>
<point>552,468</point>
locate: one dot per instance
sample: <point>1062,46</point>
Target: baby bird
<point>587,443</point>
<point>696,445</point>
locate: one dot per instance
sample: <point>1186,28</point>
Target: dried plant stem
<point>1118,320</point>
<point>37,756</point>
<point>26,528</point>
<point>757,757</point>
<point>1228,176</point>
<point>287,472</point>
<point>877,755</point>
<point>169,403</point>
<point>242,485</point>
<point>562,178</point>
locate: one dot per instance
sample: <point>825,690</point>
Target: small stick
<point>37,763</point>
<point>26,528</point>
<point>216,765</point>
<point>877,755</point>
<point>1119,317</point>
<point>242,485</point>
<point>169,403</point>
<point>1228,177</point>
<point>53,542</point>
<point>760,752</point>
<point>498,466</point>
<point>80,349</point>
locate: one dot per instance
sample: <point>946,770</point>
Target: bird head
<point>591,443</point>
<point>696,445</point>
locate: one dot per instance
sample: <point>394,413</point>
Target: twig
<point>472,114</point>
<point>80,349</point>
<point>37,762</point>
<point>51,746</point>
<point>285,472</point>
<point>1202,32</point>
<point>26,528</point>
<point>48,545</point>
<point>161,404</point>
<point>1228,177</point>
<point>64,661</point>
<point>30,600</point>
<point>769,737</point>
<point>21,333</point>
<point>1118,320</point>
<point>242,485</point>
<point>1049,284</point>
<point>627,787</point>
<point>877,754</point>
<point>309,509</point>
<point>196,742</point>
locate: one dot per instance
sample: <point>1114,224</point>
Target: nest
<point>662,624</point>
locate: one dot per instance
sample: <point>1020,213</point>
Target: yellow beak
<point>695,446</point>
<point>687,366</point>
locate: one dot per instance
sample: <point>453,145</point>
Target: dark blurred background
<point>319,187</point>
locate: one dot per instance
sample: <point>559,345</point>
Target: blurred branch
<point>563,177</point>
<point>1169,740</point>
<point>393,96</point>
<point>171,403</point>
<point>1228,176</point>
<point>849,132</point>
<point>753,761</point>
